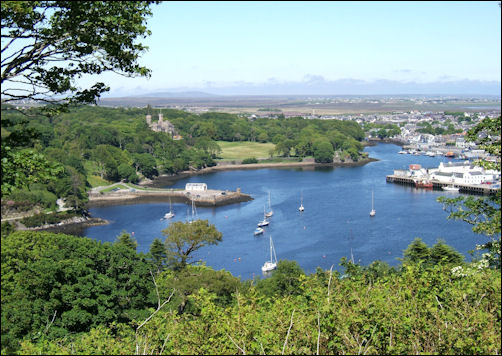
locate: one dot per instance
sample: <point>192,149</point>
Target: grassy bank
<point>242,150</point>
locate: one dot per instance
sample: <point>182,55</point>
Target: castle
<point>162,126</point>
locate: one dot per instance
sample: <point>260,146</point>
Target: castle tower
<point>149,119</point>
<point>161,117</point>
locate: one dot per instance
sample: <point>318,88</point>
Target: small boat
<point>170,214</point>
<point>272,264</point>
<point>372,212</point>
<point>258,231</point>
<point>301,208</point>
<point>450,188</point>
<point>270,211</point>
<point>403,152</point>
<point>264,222</point>
<point>423,184</point>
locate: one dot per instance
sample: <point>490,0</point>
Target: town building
<point>196,187</point>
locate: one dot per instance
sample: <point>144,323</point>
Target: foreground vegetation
<point>68,295</point>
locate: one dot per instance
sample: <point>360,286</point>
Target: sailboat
<point>264,222</point>
<point>258,231</point>
<point>372,212</point>
<point>272,264</point>
<point>194,213</point>
<point>301,208</point>
<point>270,211</point>
<point>170,214</point>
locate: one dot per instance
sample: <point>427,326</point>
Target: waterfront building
<point>196,187</point>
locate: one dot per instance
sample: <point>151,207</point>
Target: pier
<point>483,189</point>
<point>208,197</point>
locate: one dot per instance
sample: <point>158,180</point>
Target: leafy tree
<point>284,280</point>
<point>126,240</point>
<point>54,285</point>
<point>483,213</point>
<point>48,45</point>
<point>158,253</point>
<point>323,151</point>
<point>441,252</point>
<point>182,239</point>
<point>417,251</point>
<point>127,173</point>
<point>20,168</point>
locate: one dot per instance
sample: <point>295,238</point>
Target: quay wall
<point>200,198</point>
<point>463,188</point>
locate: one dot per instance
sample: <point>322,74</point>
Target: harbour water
<point>335,222</point>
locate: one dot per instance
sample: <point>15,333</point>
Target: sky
<point>209,45</point>
<point>266,46</point>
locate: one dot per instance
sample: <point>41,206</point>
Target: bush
<point>44,219</point>
<point>249,160</point>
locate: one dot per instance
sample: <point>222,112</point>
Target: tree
<point>48,45</point>
<point>417,251</point>
<point>158,253</point>
<point>323,151</point>
<point>483,213</point>
<point>182,239</point>
<point>126,240</point>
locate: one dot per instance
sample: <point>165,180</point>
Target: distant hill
<point>184,94</point>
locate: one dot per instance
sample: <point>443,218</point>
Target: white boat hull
<point>268,266</point>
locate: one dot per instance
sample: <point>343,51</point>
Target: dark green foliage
<point>484,214</point>
<point>7,228</point>
<point>189,280</point>
<point>284,280</point>
<point>125,239</point>
<point>249,160</point>
<point>182,239</point>
<point>417,251</point>
<point>78,282</point>
<point>44,219</point>
<point>439,253</point>
<point>50,44</point>
<point>158,253</point>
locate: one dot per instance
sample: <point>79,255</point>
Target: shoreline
<point>164,179</point>
<point>209,197</point>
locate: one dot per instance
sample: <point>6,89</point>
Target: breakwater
<point>209,197</point>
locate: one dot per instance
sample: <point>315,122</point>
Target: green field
<point>242,150</point>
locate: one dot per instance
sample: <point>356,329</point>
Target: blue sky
<point>204,45</point>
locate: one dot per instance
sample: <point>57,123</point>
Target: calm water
<point>335,221</point>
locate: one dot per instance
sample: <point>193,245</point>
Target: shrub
<point>249,160</point>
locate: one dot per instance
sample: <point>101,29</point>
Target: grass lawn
<point>97,181</point>
<point>242,150</point>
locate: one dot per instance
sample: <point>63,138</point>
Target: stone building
<point>161,125</point>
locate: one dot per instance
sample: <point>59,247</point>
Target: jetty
<point>208,197</point>
<point>478,189</point>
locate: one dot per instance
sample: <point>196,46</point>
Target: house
<point>196,187</point>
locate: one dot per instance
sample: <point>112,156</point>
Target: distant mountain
<point>317,85</point>
<point>184,94</point>
<point>170,94</point>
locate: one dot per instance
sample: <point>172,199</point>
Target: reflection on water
<point>335,222</point>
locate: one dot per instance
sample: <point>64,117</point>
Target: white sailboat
<point>170,214</point>
<point>301,208</point>
<point>372,212</point>
<point>258,231</point>
<point>270,211</point>
<point>272,264</point>
<point>264,222</point>
<point>194,213</point>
